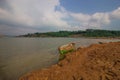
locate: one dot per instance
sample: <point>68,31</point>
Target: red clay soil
<point>96,62</point>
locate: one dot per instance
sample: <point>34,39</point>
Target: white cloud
<point>96,20</point>
<point>41,14</point>
<point>115,14</point>
<point>81,17</point>
<point>34,13</point>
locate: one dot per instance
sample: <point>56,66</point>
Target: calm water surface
<point>21,55</point>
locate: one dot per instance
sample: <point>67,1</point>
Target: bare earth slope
<point>96,62</point>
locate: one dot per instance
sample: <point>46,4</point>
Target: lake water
<point>21,55</point>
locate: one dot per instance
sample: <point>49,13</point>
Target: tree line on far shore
<point>86,33</point>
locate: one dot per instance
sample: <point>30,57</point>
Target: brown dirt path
<point>96,62</point>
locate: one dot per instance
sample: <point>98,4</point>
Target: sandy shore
<point>96,62</point>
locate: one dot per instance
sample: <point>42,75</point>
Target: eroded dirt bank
<point>96,62</point>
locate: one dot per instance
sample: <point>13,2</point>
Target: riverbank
<point>96,62</point>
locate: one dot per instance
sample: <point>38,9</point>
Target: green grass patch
<point>63,52</point>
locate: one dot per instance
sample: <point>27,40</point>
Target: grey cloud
<point>13,30</point>
<point>5,5</point>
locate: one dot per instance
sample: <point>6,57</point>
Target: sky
<point>18,17</point>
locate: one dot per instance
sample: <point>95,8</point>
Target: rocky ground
<point>96,62</point>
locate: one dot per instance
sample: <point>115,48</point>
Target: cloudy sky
<point>28,16</point>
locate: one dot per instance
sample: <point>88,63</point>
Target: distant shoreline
<point>66,37</point>
<point>95,33</point>
<point>74,37</point>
